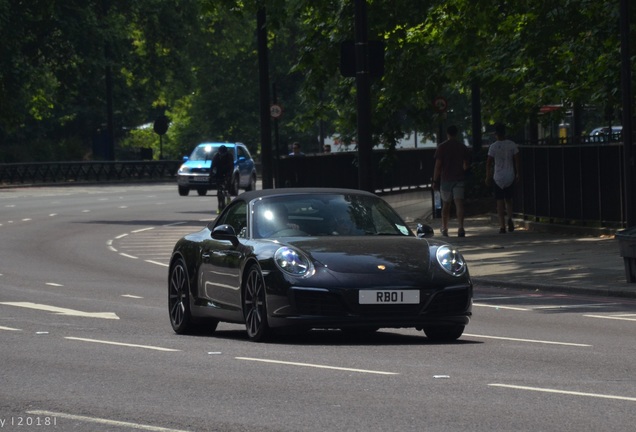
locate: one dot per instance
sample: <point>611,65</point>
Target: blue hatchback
<point>194,173</point>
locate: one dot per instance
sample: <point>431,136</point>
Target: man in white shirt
<point>504,155</point>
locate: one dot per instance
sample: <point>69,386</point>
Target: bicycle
<point>223,193</point>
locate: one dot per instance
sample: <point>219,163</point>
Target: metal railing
<point>81,172</point>
<point>561,184</point>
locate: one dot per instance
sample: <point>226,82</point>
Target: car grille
<point>199,170</point>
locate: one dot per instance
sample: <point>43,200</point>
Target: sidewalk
<point>527,258</point>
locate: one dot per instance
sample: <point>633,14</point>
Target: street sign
<point>440,104</point>
<point>275,111</point>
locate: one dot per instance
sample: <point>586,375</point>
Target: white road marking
<point>500,307</point>
<point>121,235</point>
<point>316,366</point>
<point>103,421</point>
<point>143,229</point>
<point>54,284</point>
<point>527,340</point>
<point>9,328</point>
<point>131,296</point>
<point>62,311</point>
<point>156,262</point>
<point>574,306</point>
<point>565,392</point>
<point>156,348</point>
<point>614,317</point>
<point>128,256</point>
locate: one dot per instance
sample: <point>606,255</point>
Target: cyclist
<point>222,168</point>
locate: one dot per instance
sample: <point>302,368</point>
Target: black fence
<point>561,184</point>
<point>81,172</point>
<point>581,185</point>
<point>400,170</point>
<point>578,185</point>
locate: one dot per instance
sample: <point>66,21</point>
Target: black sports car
<point>300,258</point>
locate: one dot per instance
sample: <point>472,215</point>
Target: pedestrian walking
<point>296,150</point>
<point>503,154</point>
<point>452,160</point>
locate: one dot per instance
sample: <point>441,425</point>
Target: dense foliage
<point>65,65</point>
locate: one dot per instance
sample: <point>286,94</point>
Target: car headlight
<point>184,170</point>
<point>451,261</point>
<point>293,262</point>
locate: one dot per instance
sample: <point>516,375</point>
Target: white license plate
<point>199,179</point>
<point>389,297</point>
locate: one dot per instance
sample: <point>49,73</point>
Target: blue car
<point>194,173</point>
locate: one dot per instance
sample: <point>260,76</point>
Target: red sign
<point>440,104</point>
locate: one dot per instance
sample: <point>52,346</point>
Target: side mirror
<point>185,158</point>
<point>425,231</point>
<point>225,232</point>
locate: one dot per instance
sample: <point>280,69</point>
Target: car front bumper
<point>329,308</point>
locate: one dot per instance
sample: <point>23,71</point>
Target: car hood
<point>364,255</point>
<point>197,164</point>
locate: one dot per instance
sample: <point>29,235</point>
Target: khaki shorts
<point>451,190</point>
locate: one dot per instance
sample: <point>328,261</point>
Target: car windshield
<point>203,153</point>
<point>325,215</point>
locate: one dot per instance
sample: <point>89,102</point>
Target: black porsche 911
<point>298,259</point>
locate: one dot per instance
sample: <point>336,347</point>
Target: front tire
<point>234,186</point>
<point>184,190</point>
<point>252,184</point>
<point>254,306</point>
<point>202,191</point>
<point>447,333</point>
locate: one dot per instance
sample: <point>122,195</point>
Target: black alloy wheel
<point>179,298</point>
<point>179,303</point>
<point>254,307</point>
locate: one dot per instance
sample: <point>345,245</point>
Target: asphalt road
<point>86,344</point>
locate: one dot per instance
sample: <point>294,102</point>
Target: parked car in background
<point>194,173</point>
<point>602,134</point>
<point>303,258</point>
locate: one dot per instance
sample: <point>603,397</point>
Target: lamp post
<point>363,90</point>
<point>626,87</point>
<point>264,105</point>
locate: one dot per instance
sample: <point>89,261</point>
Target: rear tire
<point>179,303</point>
<point>179,298</point>
<point>202,191</point>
